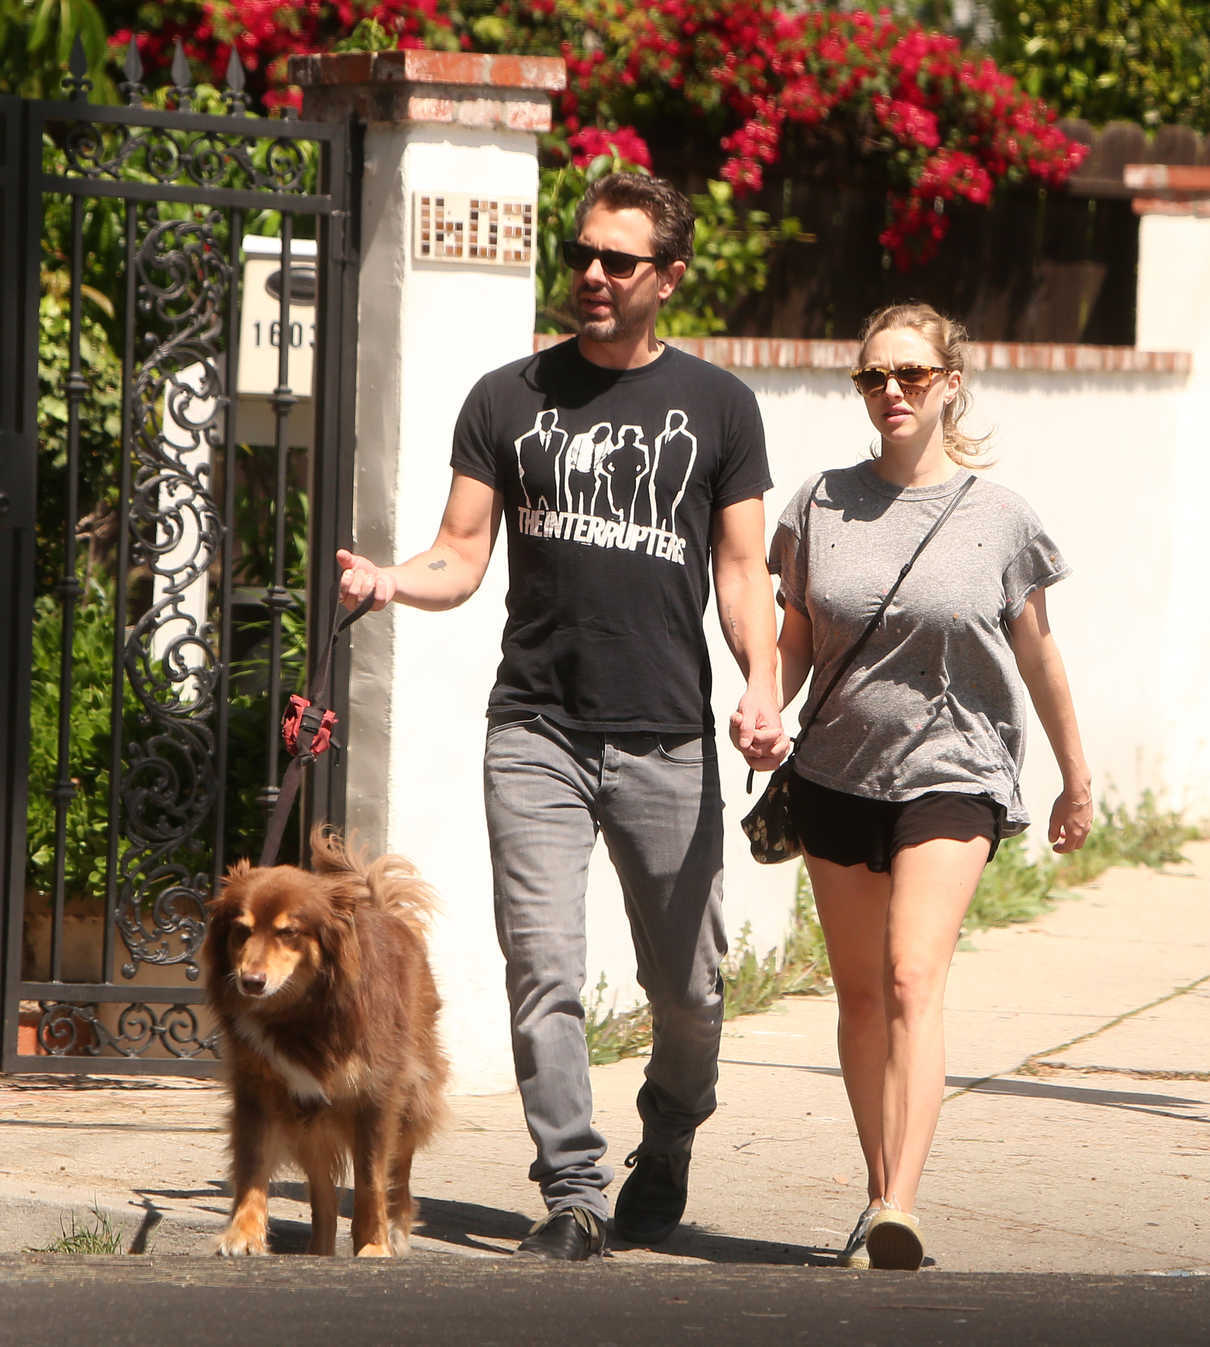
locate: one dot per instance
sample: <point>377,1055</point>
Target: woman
<point>908,778</point>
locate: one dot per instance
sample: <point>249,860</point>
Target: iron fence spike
<point>182,76</point>
<point>132,86</point>
<point>133,66</point>
<point>236,80</point>
<point>77,82</point>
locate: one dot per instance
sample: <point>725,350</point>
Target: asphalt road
<point>500,1302</point>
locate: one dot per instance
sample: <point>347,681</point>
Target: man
<point>600,717</point>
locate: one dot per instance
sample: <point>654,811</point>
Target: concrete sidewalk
<point>1075,1136</point>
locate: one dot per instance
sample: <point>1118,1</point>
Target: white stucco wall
<point>420,680</point>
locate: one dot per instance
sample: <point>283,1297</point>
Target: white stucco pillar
<point>1173,304</point>
<point>449,197</point>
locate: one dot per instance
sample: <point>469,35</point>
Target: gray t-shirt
<point>934,700</point>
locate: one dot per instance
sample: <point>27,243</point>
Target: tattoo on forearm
<point>436,565</point>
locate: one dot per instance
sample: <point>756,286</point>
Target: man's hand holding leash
<point>360,578</point>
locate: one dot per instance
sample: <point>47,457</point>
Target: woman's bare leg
<point>852,903</point>
<point>931,887</point>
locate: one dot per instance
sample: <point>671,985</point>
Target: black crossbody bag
<point>769,824</point>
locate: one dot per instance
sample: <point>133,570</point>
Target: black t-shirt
<point>609,480</point>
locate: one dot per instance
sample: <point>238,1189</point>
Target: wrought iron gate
<point>156,520</point>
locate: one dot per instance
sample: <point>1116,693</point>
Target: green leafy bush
<point>1013,887</point>
<point>731,252</point>
<point>1149,836</point>
<point>86,842</point>
<point>36,38</point>
<point>1016,887</point>
<point>1144,61</point>
<point>251,726</point>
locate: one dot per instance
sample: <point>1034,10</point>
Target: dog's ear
<point>221,911</point>
<point>230,886</point>
<point>222,908</point>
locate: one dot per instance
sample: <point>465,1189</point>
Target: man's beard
<point>599,329</point>
<point>613,326</point>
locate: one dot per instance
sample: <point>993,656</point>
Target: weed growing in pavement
<point>1151,836</point>
<point>750,983</point>
<point>1014,888</point>
<point>753,983</point>
<point>612,1034</point>
<point>96,1237</point>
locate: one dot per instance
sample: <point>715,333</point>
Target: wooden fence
<point>1054,266</point>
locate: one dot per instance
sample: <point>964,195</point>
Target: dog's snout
<point>252,984</point>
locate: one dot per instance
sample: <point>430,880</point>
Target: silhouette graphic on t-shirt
<point>584,456</point>
<point>623,471</point>
<point>539,460</point>
<point>675,452</point>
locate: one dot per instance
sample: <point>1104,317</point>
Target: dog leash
<point>307,729</point>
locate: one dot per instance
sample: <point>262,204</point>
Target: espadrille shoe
<point>893,1240</point>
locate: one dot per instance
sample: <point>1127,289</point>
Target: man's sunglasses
<point>910,378</point>
<point>580,256</point>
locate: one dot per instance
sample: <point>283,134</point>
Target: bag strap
<point>872,625</point>
<point>307,729</point>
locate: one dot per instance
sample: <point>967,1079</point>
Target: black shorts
<point>854,830</point>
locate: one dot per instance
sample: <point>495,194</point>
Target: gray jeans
<point>656,800</point>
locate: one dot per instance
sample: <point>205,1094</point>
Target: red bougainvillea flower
<point>948,129</point>
<point>626,143</point>
<point>765,77</point>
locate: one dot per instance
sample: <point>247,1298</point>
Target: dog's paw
<point>236,1243</point>
<point>374,1251</point>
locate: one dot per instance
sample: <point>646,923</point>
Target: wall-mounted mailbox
<point>261,330</point>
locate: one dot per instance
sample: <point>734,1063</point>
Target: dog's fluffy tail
<point>397,887</point>
<point>392,882</point>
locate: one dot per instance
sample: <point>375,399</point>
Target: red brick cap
<point>547,74</point>
<point>1046,357</point>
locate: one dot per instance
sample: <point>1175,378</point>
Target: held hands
<point>756,731</point>
<point>1071,820</point>
<point>360,577</point>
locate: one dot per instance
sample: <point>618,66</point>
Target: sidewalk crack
<point>1132,1072</point>
<point>1035,1064</point>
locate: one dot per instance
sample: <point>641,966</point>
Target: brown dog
<point>322,988</point>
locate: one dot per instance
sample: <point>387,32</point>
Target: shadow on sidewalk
<point>475,1228</point>
<point>466,1224</point>
<point>1135,1101</point>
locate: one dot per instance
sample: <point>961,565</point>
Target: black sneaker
<point>571,1235</point>
<point>652,1201</point>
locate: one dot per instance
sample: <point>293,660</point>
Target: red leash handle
<point>307,730</point>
